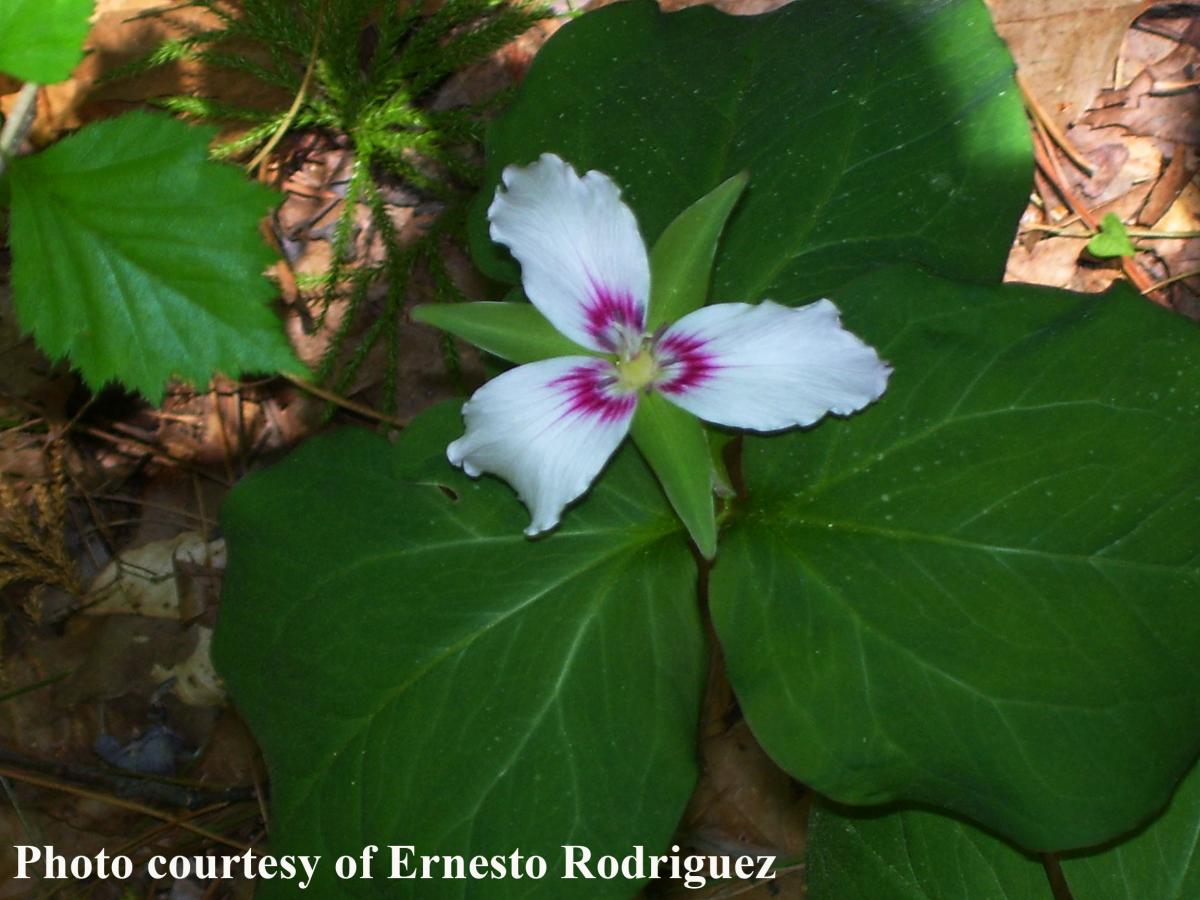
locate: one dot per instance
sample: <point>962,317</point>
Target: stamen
<point>638,372</point>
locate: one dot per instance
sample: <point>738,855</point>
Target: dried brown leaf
<point>1179,171</point>
<point>1065,49</point>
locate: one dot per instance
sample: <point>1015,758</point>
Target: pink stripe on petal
<point>583,262</point>
<point>684,361</point>
<point>547,428</point>
<point>613,317</point>
<point>766,367</point>
<point>589,393</point>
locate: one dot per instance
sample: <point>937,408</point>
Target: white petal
<point>547,428</point>
<point>583,262</point>
<point>765,367</point>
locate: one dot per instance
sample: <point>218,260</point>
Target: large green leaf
<point>982,592</point>
<point>139,259</point>
<point>1162,861</point>
<point>449,683</point>
<point>42,40</point>
<point>872,133</point>
<point>919,855</point>
<point>915,855</point>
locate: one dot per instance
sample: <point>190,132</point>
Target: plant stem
<point>8,772</point>
<point>1056,134</point>
<point>294,110</point>
<point>1174,278</point>
<point>1043,154</point>
<point>345,402</point>
<point>1149,234</point>
<point>16,126</point>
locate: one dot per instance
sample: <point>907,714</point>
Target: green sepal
<point>682,259</point>
<point>1112,239</point>
<point>674,444</point>
<point>717,442</point>
<point>515,331</point>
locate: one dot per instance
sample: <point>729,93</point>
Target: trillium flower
<point>548,427</point>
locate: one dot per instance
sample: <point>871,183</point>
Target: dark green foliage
<point>367,69</point>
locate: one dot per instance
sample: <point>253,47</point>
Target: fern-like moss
<point>367,69</point>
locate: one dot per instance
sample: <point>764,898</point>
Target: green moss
<point>375,66</point>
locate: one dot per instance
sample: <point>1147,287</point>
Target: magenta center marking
<point>684,361</point>
<point>613,318</point>
<point>589,394</point>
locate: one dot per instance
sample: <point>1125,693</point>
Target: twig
<point>1174,278</point>
<point>260,796</point>
<point>165,793</point>
<point>29,688</point>
<point>1039,113</point>
<point>346,403</point>
<point>1167,88</point>
<point>12,799</point>
<point>738,890</point>
<point>1168,33</point>
<point>157,830</point>
<point>24,426</point>
<point>16,126</point>
<point>151,450</point>
<point>156,11</point>
<point>297,102</point>
<point>228,456</point>
<point>99,525</point>
<point>162,507</point>
<point>1059,231</point>
<point>1044,155</point>
<point>17,775</point>
<point>137,842</point>
<point>117,440</point>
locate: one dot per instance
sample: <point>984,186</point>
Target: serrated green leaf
<point>674,444</point>
<point>139,259</point>
<point>682,259</point>
<point>459,687</point>
<point>914,855</point>
<point>515,331</point>
<point>1160,860</point>
<point>1112,239</point>
<point>980,593</point>
<point>873,133</point>
<point>42,40</point>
